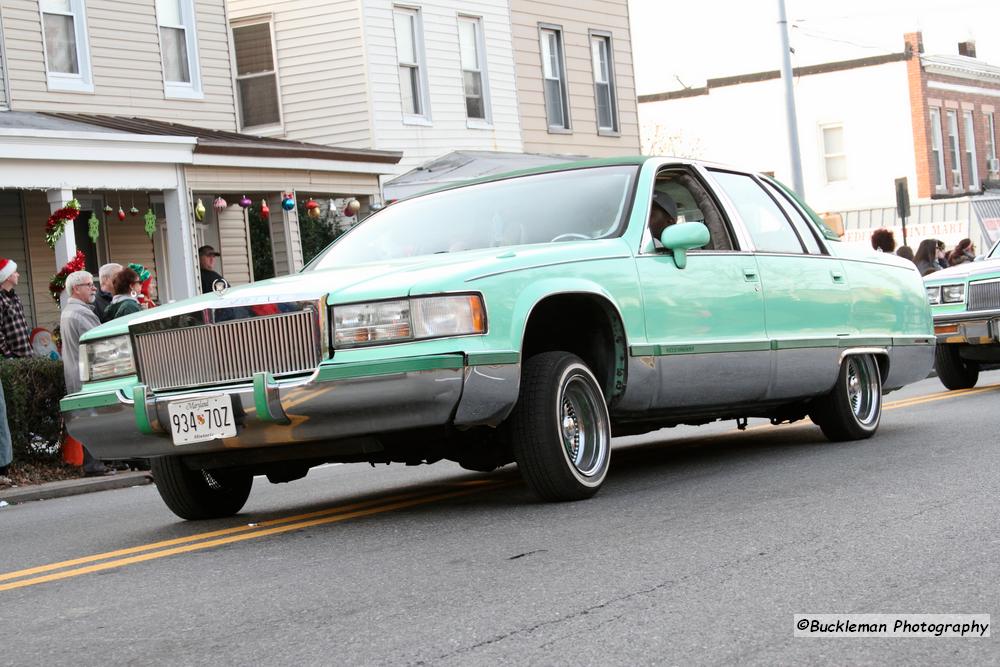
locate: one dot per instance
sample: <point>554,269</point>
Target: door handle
<point>838,277</point>
<point>750,275</point>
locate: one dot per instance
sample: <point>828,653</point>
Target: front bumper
<point>333,403</point>
<point>980,327</point>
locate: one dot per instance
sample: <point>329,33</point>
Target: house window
<point>409,54</point>
<point>991,145</point>
<point>937,149</point>
<point>256,78</point>
<point>470,43</point>
<point>178,48</point>
<point>67,55</point>
<point>970,151</point>
<point>554,79</point>
<point>956,165</point>
<point>833,153</point>
<point>604,83</point>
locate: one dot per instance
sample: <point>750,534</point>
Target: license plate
<point>201,419</point>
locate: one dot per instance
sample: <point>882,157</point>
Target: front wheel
<point>954,371</point>
<point>200,494</point>
<point>853,408</point>
<point>560,428</point>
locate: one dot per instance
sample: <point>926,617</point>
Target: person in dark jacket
<point>126,299</point>
<point>963,252</point>
<point>925,257</point>
<point>206,260</point>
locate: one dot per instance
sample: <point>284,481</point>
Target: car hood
<point>381,280</point>
<point>967,271</point>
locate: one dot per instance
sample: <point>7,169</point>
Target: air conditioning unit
<point>956,178</point>
<point>993,164</point>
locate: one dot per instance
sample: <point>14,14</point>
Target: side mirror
<point>835,222</point>
<point>684,236</point>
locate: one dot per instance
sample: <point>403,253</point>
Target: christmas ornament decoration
<point>265,212</point>
<point>352,208</point>
<point>58,282</point>
<point>219,205</point>
<point>199,211</point>
<point>121,214</point>
<point>133,211</point>
<point>107,209</point>
<point>245,201</point>
<point>56,224</point>
<point>93,227</point>
<point>312,209</point>
<point>150,225</point>
<point>288,203</point>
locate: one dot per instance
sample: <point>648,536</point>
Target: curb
<point>74,487</point>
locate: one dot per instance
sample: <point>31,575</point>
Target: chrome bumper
<point>976,328</point>
<point>270,413</point>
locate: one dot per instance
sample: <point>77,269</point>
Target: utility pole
<point>793,125</point>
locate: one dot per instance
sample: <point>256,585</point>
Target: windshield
<point>995,253</point>
<point>586,203</point>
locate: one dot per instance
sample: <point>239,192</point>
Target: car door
<point>807,300</point>
<point>705,329</point>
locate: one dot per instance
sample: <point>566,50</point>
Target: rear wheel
<point>560,428</point>
<point>954,371</point>
<point>200,494</point>
<point>853,408</point>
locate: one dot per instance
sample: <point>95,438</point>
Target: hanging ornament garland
<point>133,211</point>
<point>107,210</point>
<point>245,201</point>
<point>352,208</point>
<point>312,209</point>
<point>265,212</point>
<point>150,225</point>
<point>121,214</point>
<point>287,202</point>
<point>58,282</point>
<point>199,211</point>
<point>56,224</point>
<point>219,205</point>
<point>93,227</point>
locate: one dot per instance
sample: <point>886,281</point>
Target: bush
<point>33,387</point>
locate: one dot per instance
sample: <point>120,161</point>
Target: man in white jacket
<point>78,317</point>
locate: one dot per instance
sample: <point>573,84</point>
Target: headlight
<point>106,358</point>
<point>953,293</point>
<point>408,319</point>
<point>934,295</point>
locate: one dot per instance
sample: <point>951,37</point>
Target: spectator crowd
<point>931,255</point>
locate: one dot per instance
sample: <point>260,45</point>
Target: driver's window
<point>680,190</point>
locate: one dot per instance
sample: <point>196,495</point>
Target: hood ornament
<point>220,286</point>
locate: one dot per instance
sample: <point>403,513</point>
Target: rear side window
<point>768,227</point>
<point>801,224</point>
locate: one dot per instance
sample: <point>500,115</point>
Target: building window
<point>470,44</point>
<point>178,48</point>
<point>956,165</point>
<point>834,158</point>
<point>554,79</point>
<point>67,54</point>
<point>256,78</point>
<point>970,151</point>
<point>410,56</point>
<point>992,164</point>
<point>937,149</point>
<point>604,82</point>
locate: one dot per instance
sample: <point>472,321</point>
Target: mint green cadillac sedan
<point>524,318</point>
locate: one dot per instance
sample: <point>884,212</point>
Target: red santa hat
<point>7,268</point>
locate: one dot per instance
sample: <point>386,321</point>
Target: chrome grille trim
<point>228,352</point>
<point>984,295</point>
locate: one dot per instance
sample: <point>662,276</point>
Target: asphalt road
<point>701,547</point>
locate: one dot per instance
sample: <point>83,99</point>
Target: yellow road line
<point>336,513</point>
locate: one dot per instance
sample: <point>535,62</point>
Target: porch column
<point>181,251</point>
<point>278,223</point>
<point>66,245</point>
<point>293,235</point>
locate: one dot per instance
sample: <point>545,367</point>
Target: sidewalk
<point>73,487</point>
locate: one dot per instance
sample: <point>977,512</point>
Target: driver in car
<point>662,215</point>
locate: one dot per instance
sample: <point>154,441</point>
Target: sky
<point>681,44</point>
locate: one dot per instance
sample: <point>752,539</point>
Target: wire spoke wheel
<point>851,410</point>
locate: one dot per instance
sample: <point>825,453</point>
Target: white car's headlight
<point>408,319</point>
<point>934,295</point>
<point>953,293</point>
<point>106,358</point>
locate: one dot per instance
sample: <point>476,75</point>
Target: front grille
<point>984,295</point>
<point>229,351</point>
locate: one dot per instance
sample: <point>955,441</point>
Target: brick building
<point>862,124</point>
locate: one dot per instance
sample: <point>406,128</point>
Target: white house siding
<point>447,130</point>
<point>321,68</point>
<point>576,20</point>
<point>744,125</point>
<point>127,240</point>
<point>13,246</point>
<point>127,70</point>
<point>43,259</point>
<point>234,244</point>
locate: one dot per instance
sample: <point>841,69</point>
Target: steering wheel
<point>568,236</point>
